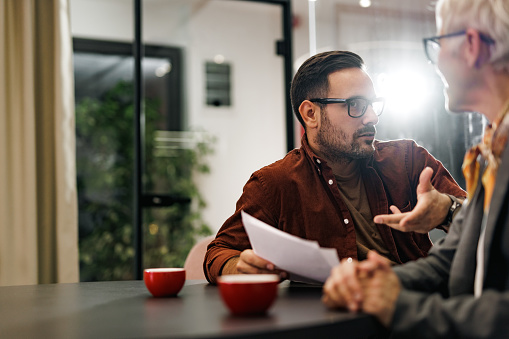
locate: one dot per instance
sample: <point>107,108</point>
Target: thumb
<point>381,262</point>
<point>425,181</point>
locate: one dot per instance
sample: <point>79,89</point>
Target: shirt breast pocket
<point>406,208</point>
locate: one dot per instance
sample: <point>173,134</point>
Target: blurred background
<point>214,93</point>
<point>214,83</point>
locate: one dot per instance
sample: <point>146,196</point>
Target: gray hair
<point>490,17</point>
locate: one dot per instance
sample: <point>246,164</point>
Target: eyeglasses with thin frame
<point>432,45</point>
<point>357,106</point>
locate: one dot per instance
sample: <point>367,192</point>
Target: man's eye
<point>356,103</point>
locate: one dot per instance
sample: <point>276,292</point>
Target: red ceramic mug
<point>247,294</point>
<point>164,282</point>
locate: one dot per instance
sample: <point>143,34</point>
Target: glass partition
<point>388,36</point>
<point>233,117</point>
<point>213,111</point>
<point>103,70</point>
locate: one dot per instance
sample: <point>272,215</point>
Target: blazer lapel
<point>497,202</point>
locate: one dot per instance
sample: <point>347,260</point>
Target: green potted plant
<point>105,157</point>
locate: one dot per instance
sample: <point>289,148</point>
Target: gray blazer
<point>437,299</point>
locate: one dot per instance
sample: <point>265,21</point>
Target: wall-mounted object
<point>218,83</point>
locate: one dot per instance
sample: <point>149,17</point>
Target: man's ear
<point>308,111</point>
<point>476,52</point>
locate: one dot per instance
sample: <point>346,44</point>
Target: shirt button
<point>346,221</point>
<point>331,182</point>
<point>318,161</point>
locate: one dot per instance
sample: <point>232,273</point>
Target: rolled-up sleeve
<point>232,238</point>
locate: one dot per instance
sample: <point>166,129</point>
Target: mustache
<point>366,130</point>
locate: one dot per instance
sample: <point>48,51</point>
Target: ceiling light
<point>219,59</point>
<point>365,3</point>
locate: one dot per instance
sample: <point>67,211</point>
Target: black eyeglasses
<point>432,45</point>
<point>357,106</point>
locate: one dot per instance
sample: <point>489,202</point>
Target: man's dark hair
<point>312,78</point>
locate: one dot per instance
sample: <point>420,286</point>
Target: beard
<point>335,145</point>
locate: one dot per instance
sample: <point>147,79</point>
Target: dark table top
<point>125,309</point>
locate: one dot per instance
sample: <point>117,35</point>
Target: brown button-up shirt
<point>299,195</point>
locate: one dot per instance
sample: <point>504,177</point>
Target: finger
<point>389,218</point>
<point>335,287</point>
<point>419,217</point>
<point>367,267</point>
<point>282,274</point>
<point>381,261</point>
<point>327,300</point>
<point>250,263</point>
<point>350,287</point>
<point>382,291</point>
<point>395,210</point>
<point>252,259</point>
<point>374,263</point>
<point>332,297</point>
<point>393,218</point>
<point>411,220</point>
<point>245,268</point>
<point>407,221</point>
<point>413,225</point>
<point>425,181</point>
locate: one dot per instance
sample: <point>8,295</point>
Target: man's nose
<point>370,117</point>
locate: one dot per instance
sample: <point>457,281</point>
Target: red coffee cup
<point>164,282</point>
<point>247,294</point>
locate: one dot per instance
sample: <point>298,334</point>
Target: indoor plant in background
<point>105,157</point>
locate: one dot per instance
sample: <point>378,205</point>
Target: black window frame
<point>174,112</point>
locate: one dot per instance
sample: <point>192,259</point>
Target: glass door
<point>233,117</point>
<point>212,92</point>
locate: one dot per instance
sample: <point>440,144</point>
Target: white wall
<point>250,133</point>
<point>102,19</point>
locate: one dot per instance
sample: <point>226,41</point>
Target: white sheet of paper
<point>299,257</point>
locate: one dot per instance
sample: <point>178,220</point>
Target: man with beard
<point>330,188</point>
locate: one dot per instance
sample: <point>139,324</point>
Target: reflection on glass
<point>105,146</point>
<point>240,34</point>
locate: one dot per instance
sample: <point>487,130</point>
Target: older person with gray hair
<point>462,288</point>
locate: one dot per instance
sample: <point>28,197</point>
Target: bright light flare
<point>219,59</point>
<point>405,91</point>
<point>162,70</point>
<point>365,3</point>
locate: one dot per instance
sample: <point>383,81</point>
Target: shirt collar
<point>316,160</point>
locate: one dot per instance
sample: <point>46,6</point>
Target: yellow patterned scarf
<point>491,148</point>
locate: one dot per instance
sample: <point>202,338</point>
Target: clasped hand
<point>370,286</point>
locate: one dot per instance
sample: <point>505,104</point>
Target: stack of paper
<point>304,259</point>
